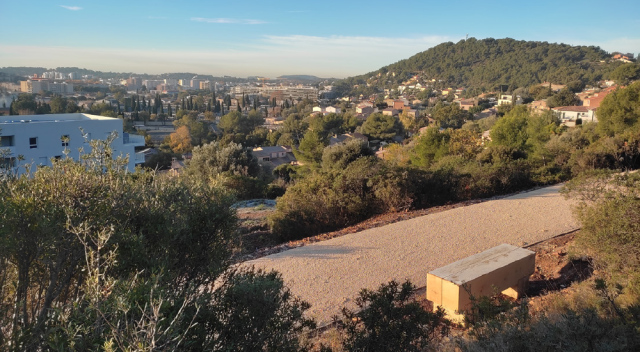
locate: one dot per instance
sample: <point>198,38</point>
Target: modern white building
<point>39,138</point>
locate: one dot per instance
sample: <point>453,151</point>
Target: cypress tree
<point>244,102</point>
<point>169,112</point>
<point>239,106</point>
<point>255,103</point>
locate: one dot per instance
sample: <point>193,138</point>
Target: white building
<point>41,137</point>
<point>573,113</point>
<point>506,99</point>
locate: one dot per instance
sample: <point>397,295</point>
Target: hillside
<point>488,63</point>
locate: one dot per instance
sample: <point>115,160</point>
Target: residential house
<point>554,87</point>
<point>390,112</point>
<point>508,99</point>
<point>467,104</point>
<point>336,139</point>
<point>364,109</point>
<point>274,156</point>
<point>333,109</point>
<point>539,105</point>
<point>596,99</point>
<point>411,112</point>
<point>571,114</point>
<point>177,166</point>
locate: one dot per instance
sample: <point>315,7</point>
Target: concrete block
<point>505,267</point>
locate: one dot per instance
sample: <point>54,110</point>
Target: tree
<point>511,130</point>
<point>311,147</point>
<point>450,116</point>
<point>180,140</point>
<point>214,159</point>
<point>382,127</point>
<point>340,155</point>
<point>127,262</point>
<point>388,320</point>
<point>430,147</point>
<point>626,73</point>
<point>620,110</point>
<point>58,105</point>
<point>564,97</point>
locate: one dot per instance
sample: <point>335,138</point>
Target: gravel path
<point>330,274</point>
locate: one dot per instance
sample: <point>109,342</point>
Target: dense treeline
<point>490,63</point>
<point>343,184</point>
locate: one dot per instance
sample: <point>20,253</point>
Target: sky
<point>272,38</point>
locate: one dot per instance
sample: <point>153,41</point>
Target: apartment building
<point>37,86</point>
<point>39,138</point>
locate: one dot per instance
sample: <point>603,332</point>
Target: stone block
<point>504,268</point>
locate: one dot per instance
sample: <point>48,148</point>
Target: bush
<point>388,320</point>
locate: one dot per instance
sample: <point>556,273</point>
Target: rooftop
<point>573,108</point>
<point>17,119</point>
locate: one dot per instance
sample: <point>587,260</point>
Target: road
<point>329,274</point>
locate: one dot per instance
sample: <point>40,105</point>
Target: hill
<point>302,78</point>
<point>490,63</point>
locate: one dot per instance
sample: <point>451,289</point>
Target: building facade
<point>39,138</point>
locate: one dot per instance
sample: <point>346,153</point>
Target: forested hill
<point>489,63</point>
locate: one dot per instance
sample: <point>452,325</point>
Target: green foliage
<point>430,147</point>
<point>127,261</point>
<point>626,73</point>
<point>620,110</point>
<point>490,63</point>
<point>450,116</point>
<point>565,97</point>
<point>330,199</point>
<point>388,320</point>
<point>342,154</point>
<point>311,147</point>
<point>381,127</point>
<point>255,311</point>
<point>510,130</point>
<point>610,217</point>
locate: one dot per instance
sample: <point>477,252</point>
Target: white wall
<point>49,131</point>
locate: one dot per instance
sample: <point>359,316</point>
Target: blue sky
<point>324,38</point>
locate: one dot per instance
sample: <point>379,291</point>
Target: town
<point>480,195</point>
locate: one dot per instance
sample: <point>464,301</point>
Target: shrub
<point>388,320</point>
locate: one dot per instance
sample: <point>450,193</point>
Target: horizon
<point>287,38</point>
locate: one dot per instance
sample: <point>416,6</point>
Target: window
<point>33,142</point>
<point>65,140</point>
<point>6,141</point>
<point>7,163</point>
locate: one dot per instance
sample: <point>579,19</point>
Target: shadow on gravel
<point>318,252</point>
<point>574,271</point>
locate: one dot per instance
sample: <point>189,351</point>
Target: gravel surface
<point>330,274</point>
